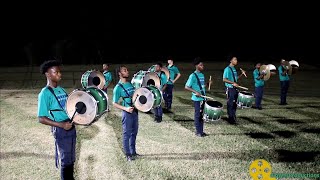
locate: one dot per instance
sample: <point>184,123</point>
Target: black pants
<point>284,90</point>
<point>232,103</point>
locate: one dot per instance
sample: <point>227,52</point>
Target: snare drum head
<point>93,78</point>
<point>86,107</point>
<point>101,97</point>
<point>215,104</point>
<point>245,93</point>
<point>143,99</point>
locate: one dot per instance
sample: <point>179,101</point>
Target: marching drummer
<point>51,111</point>
<point>230,79</point>
<point>196,84</point>
<point>124,89</point>
<point>163,84</point>
<point>258,84</point>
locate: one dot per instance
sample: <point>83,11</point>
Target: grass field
<point>288,137</point>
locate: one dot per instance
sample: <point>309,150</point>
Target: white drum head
<point>86,107</point>
<point>143,99</point>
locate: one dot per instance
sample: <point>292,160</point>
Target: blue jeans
<point>232,103</point>
<point>284,90</point>
<point>158,113</point>
<point>130,127</point>
<point>65,144</point>
<point>198,121</point>
<point>258,95</point>
<point>167,95</point>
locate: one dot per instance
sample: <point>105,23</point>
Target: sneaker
<point>130,158</point>
<point>204,134</point>
<point>136,155</point>
<point>199,135</point>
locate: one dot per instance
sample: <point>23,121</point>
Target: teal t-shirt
<point>257,82</point>
<point>163,79</point>
<point>47,102</point>
<point>119,92</point>
<point>174,71</point>
<point>282,78</point>
<point>227,73</point>
<point>192,82</point>
<point>108,77</point>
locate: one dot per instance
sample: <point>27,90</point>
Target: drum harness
<point>234,78</point>
<point>202,92</point>
<point>128,96</point>
<point>51,90</point>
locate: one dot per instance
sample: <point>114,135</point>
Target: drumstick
<point>242,87</point>
<point>243,72</point>
<point>207,97</point>
<point>209,83</point>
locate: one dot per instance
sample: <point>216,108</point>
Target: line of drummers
<point>86,105</point>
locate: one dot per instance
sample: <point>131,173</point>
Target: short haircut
<point>197,61</point>
<point>48,64</point>
<point>159,63</point>
<point>118,69</point>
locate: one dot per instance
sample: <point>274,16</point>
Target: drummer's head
<point>198,63</point>
<point>51,69</point>
<point>170,60</point>
<point>122,71</point>
<point>105,66</point>
<point>158,67</point>
<point>233,60</point>
<point>258,65</point>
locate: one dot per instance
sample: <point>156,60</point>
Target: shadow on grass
<point>284,134</point>
<point>311,130</point>
<point>12,155</point>
<point>289,121</point>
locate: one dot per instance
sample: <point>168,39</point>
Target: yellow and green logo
<point>260,169</point>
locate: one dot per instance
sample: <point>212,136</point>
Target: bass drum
<point>86,106</point>
<point>145,78</point>
<point>93,78</point>
<point>163,69</point>
<point>147,98</point>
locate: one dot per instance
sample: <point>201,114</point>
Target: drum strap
<point>234,78</point>
<point>51,90</point>
<point>199,84</point>
<point>128,96</point>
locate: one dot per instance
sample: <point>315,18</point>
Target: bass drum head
<point>84,104</point>
<point>101,97</point>
<point>93,78</point>
<point>151,79</point>
<point>163,69</point>
<point>143,99</point>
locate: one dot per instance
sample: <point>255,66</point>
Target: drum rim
<point>161,98</point>
<point>103,98</point>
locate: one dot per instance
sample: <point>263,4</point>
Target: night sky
<point>96,35</point>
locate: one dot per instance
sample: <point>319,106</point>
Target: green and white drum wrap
<point>101,97</point>
<point>146,98</point>
<point>86,105</point>
<point>93,78</point>
<point>245,99</point>
<point>145,78</point>
<point>213,111</point>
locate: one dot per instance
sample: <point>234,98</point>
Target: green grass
<point>288,137</point>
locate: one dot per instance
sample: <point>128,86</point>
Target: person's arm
<point>226,76</point>
<point>128,109</point>
<point>175,79</point>
<point>47,121</point>
<point>189,84</point>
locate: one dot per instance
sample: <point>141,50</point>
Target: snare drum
<point>146,98</point>
<point>245,99</point>
<point>86,105</point>
<point>93,78</point>
<point>213,111</point>
<point>145,78</point>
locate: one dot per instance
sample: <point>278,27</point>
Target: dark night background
<point>80,35</point>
